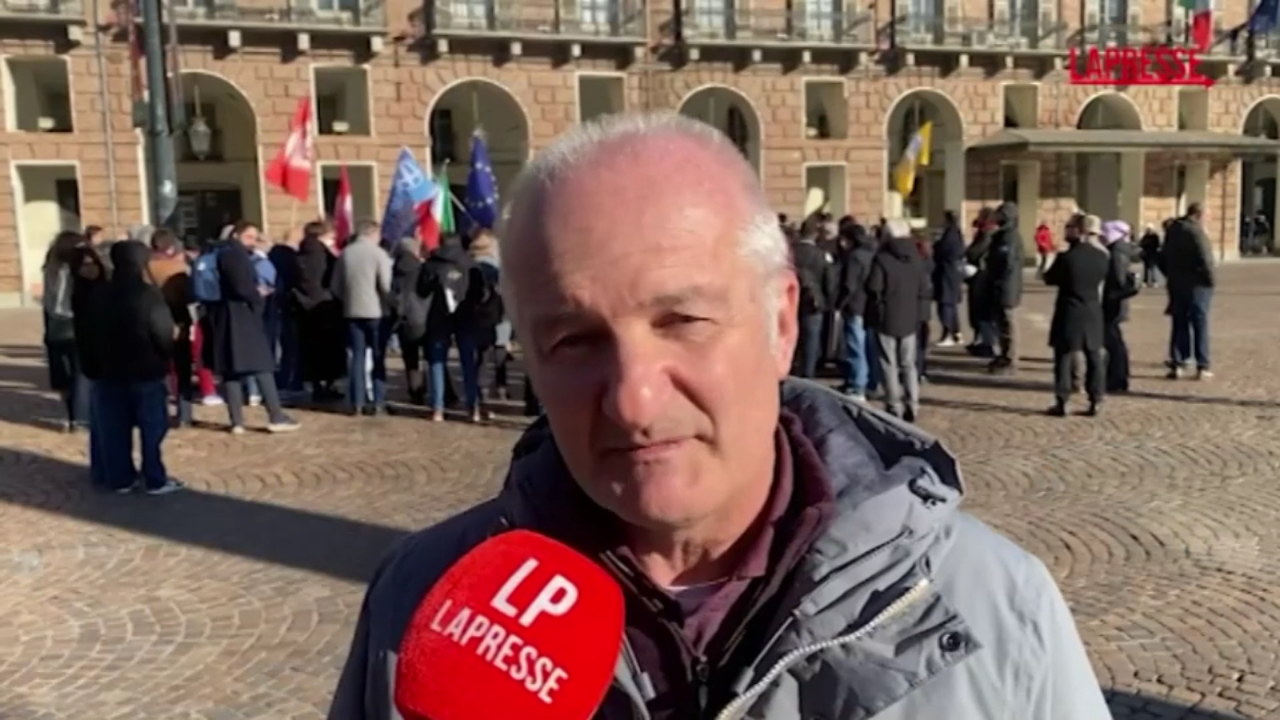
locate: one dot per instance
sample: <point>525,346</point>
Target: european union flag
<point>1265,17</point>
<point>482,186</point>
<point>410,199</point>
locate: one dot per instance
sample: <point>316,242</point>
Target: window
<point>443,147</point>
<point>337,6</point>
<point>342,100</point>
<point>819,19</point>
<point>597,15</point>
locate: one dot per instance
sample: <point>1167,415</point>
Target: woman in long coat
<point>321,336</point>
<point>948,278</point>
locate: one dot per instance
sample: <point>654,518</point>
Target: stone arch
<point>939,186</point>
<point>1109,110</point>
<point>225,185</point>
<point>729,110</point>
<point>1259,177</point>
<point>466,105</point>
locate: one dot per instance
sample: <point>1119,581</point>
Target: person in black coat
<point>897,289</point>
<point>948,278</point>
<point>237,347</point>
<point>284,258</point>
<point>979,305</point>
<point>321,328</point>
<point>1004,279</point>
<point>816,271</point>
<point>851,301</point>
<point>136,349</point>
<point>1121,284</point>
<point>1079,274</point>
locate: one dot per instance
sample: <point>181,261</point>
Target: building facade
<point>822,96</point>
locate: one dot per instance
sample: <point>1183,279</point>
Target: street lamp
<point>199,137</point>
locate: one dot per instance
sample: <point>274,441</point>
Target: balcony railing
<point>41,9</point>
<point>339,14</point>
<point>587,19</point>
<point>994,35</point>
<point>815,25</point>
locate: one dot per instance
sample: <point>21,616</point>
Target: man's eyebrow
<point>686,295</point>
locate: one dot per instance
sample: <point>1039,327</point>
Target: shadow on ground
<point>326,544</point>
<point>1131,706</point>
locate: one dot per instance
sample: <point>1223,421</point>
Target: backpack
<point>412,308</point>
<point>206,282</point>
<point>488,309</point>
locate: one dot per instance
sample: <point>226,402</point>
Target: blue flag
<point>409,203</point>
<point>1265,17</point>
<point>482,186</point>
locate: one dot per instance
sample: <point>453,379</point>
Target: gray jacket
<point>979,632</point>
<point>362,279</point>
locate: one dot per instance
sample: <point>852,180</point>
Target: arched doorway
<point>461,109</point>
<point>939,185</point>
<point>732,113</point>
<point>1258,181</point>
<point>1097,174</point>
<point>219,176</point>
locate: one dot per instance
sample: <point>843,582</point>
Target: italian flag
<point>1200,12</point>
<point>438,220</point>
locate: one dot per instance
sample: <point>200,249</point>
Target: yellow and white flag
<point>916,155</point>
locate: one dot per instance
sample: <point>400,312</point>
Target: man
<point>236,340</point>
<point>1121,285</point>
<point>746,517</point>
<point>813,267</point>
<point>898,294</point>
<point>1077,325</point>
<point>362,281</point>
<point>854,266</point>
<point>948,278</point>
<point>1186,261</point>
<point>1004,273</point>
<point>136,350</point>
<point>169,271</point>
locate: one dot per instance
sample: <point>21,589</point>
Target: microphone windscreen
<point>520,627</point>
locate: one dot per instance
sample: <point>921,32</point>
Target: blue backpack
<point>206,283</point>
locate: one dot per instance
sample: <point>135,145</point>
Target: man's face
<point>647,334</point>
<point>249,237</point>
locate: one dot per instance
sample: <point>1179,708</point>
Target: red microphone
<point>521,627</point>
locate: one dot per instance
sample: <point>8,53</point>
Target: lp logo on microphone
<point>521,627</point>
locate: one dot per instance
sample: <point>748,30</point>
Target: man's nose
<point>639,387</point>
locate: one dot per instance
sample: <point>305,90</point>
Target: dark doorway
<point>203,213</point>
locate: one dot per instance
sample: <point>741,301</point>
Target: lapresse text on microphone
<point>520,627</point>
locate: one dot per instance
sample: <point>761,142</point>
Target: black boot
<point>1059,409</point>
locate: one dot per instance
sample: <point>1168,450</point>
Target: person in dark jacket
<point>925,333</point>
<point>284,258</point>
<point>1121,284</point>
<point>815,269</point>
<point>1149,245</point>
<point>444,279</point>
<point>897,287</point>
<point>1187,263</point>
<point>410,315</point>
<point>979,307</point>
<point>137,348</point>
<point>88,288</point>
<point>65,376</point>
<point>1004,278</point>
<point>948,278</point>
<point>851,300</point>
<point>320,324</point>
<point>237,345</point>
<point>1079,274</point>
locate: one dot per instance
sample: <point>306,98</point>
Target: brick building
<point>821,96</point>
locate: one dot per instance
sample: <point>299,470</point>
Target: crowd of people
<point>243,321</point>
<point>876,289</point>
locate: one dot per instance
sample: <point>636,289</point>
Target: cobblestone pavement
<point>236,600</point>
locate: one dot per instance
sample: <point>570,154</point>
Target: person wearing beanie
<point>1121,284</point>
<point>1077,325</point>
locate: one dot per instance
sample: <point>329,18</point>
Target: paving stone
<point>237,599</point>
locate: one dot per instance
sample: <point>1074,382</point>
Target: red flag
<point>343,211</point>
<point>1202,30</point>
<point>290,169</point>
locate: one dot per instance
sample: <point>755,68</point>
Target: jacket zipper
<point>739,705</point>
